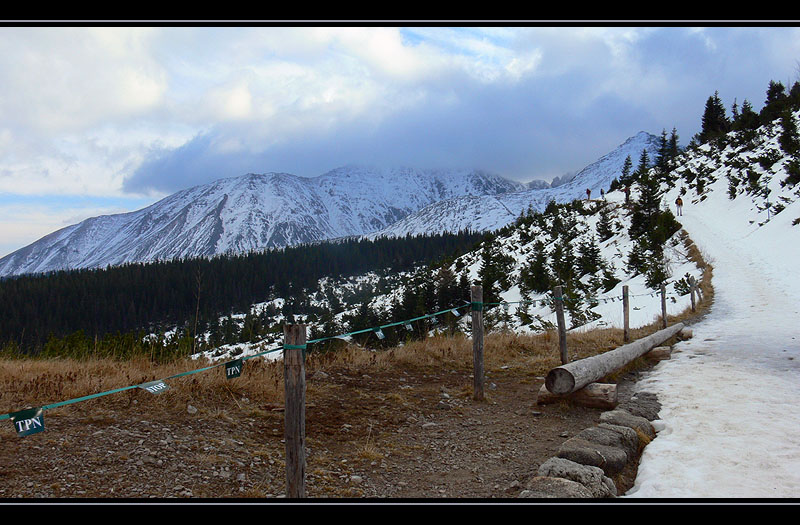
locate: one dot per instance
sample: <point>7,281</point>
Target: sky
<point>106,119</point>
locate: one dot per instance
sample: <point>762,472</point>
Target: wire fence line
<point>160,385</point>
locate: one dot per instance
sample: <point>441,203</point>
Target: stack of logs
<point>576,381</point>
<point>586,463</point>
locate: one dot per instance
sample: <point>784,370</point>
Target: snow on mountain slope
<point>729,418</point>
<point>251,212</point>
<point>489,212</point>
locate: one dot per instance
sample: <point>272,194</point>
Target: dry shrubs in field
<point>37,382</point>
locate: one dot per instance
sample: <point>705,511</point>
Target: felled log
<point>571,377</point>
<point>594,395</point>
<point>660,352</point>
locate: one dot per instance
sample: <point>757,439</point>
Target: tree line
<point>193,293</point>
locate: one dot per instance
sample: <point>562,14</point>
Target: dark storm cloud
<point>534,129</point>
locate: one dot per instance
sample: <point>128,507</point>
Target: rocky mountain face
<point>271,210</point>
<point>490,212</point>
<point>252,212</point>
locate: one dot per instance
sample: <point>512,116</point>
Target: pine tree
<point>776,102</point>
<point>563,261</point>
<point>662,155</point>
<point>789,139</point>
<point>589,259</point>
<point>647,207</point>
<point>535,276</point>
<point>643,167</point>
<point>794,96</point>
<point>674,146</point>
<point>605,228</point>
<point>714,121</point>
<point>625,178</point>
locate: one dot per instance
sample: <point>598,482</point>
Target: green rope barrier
<point>475,306</point>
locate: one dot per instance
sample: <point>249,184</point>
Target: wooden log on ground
<point>571,377</point>
<point>594,395</point>
<point>660,352</point>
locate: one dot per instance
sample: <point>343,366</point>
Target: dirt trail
<point>413,433</point>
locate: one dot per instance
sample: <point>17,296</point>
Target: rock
<point>685,333</point>
<point>623,438</point>
<point>643,404</point>
<point>624,418</point>
<point>319,374</point>
<point>547,487</point>
<point>592,478</point>
<point>429,425</point>
<point>611,459</point>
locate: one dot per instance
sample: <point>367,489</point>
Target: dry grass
<point>39,382</point>
<point>36,382</point>
<point>25,383</point>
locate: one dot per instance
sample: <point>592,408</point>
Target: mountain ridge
<point>490,212</point>
<point>251,212</point>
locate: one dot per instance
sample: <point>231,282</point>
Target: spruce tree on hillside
<point>625,179</point>
<point>605,228</point>
<point>714,121</point>
<point>747,118</point>
<point>535,276</point>
<point>647,206</point>
<point>494,271</point>
<point>789,139</point>
<point>643,167</point>
<point>674,146</point>
<point>776,102</point>
<point>589,258</point>
<point>563,262</point>
<point>794,96</point>
<point>662,154</point>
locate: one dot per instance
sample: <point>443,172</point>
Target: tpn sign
<point>27,422</point>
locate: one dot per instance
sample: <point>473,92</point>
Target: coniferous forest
<point>152,297</point>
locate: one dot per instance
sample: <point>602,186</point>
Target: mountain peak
<point>254,211</point>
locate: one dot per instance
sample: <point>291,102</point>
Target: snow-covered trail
<point>730,394</point>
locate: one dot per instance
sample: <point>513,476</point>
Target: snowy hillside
<point>251,212</point>
<point>729,419</point>
<point>597,295</point>
<point>489,212</point>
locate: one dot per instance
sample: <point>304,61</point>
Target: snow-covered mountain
<point>252,212</point>
<point>490,212</point>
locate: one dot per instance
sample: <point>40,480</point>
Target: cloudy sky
<point>97,120</point>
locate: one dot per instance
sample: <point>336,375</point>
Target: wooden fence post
<point>626,314</point>
<point>558,300</point>
<point>294,375</point>
<point>692,291</point>
<point>477,343</point>
<point>663,305</point>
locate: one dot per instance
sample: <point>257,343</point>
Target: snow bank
<point>729,395</point>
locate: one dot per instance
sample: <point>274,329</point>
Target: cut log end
<point>559,381</point>
<point>594,395</point>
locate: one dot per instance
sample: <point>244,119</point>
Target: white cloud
<point>82,108</point>
<point>68,79</point>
